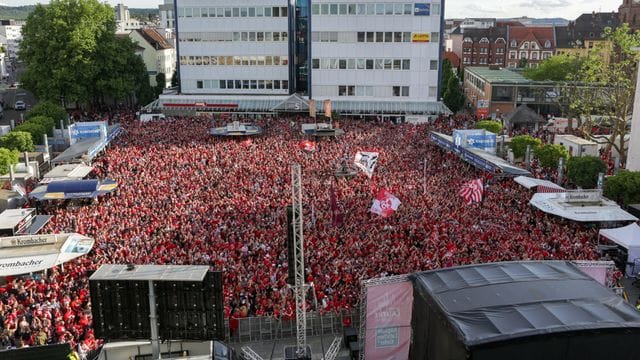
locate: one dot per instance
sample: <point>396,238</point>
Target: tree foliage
<point>615,99</point>
<point>47,109</point>
<point>7,158</point>
<point>555,68</point>
<point>17,140</point>
<point>583,171</point>
<point>623,187</point>
<point>519,144</point>
<point>47,124</point>
<point>549,154</point>
<point>72,54</point>
<point>489,125</point>
<point>36,130</point>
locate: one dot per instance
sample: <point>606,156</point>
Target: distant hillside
<point>21,12</point>
<point>15,12</point>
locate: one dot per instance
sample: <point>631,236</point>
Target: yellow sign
<point>420,37</point>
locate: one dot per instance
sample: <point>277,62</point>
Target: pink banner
<point>599,273</point>
<point>388,334</point>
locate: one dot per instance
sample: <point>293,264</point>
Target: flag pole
<point>424,175</point>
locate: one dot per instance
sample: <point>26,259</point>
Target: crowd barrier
<point>266,328</point>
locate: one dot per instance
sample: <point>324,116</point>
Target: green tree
<point>47,124</point>
<point>161,82</point>
<point>555,68</point>
<point>623,187</point>
<point>47,109</point>
<point>523,63</point>
<point>489,125</point>
<point>583,170</point>
<point>7,158</point>
<point>614,99</point>
<point>519,144</point>
<point>17,140</point>
<point>174,78</point>
<point>59,45</point>
<point>453,96</point>
<point>35,129</point>
<point>549,154</point>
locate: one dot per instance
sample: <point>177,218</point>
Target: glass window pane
<point>369,64</point>
<point>227,12</point>
<point>388,9</point>
<point>315,9</point>
<point>388,37</point>
<point>352,9</point>
<point>379,64</point>
<point>397,64</point>
<point>405,64</point>
<point>351,63</point>
<point>223,84</point>
<point>268,84</point>
<point>315,63</point>
<point>435,9</point>
<point>334,64</point>
<point>370,36</point>
<point>387,64</point>
<point>283,11</point>
<point>324,9</point>
<point>371,9</point>
<point>361,36</point>
<point>362,9</point>
<point>397,37</point>
<point>333,9</point>
<point>238,84</point>
<point>276,60</point>
<point>398,9</point>
<point>408,9</point>
<point>276,11</point>
<point>254,84</point>
<point>379,37</point>
<point>285,84</point>
<point>379,9</point>
<point>267,12</point>
<point>259,11</point>
<point>260,36</point>
<point>268,60</point>
<point>236,12</point>
<point>342,64</point>
<point>252,36</point>
<point>252,12</point>
<point>267,36</point>
<point>245,84</point>
<point>204,12</point>
<point>406,37</point>
<point>360,63</point>
<point>243,12</point>
<point>342,9</point>
<point>368,90</point>
<point>405,91</point>
<point>276,84</point>
<point>229,84</point>
<point>276,36</point>
<point>260,84</point>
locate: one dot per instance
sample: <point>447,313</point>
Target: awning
<point>87,149</point>
<point>73,189</point>
<point>629,238</point>
<point>607,210</point>
<point>530,182</point>
<point>38,223</point>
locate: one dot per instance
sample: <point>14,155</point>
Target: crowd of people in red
<point>187,198</point>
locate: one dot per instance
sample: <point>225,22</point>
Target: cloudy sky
<point>568,9</point>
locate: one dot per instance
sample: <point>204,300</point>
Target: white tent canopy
<point>530,182</point>
<point>629,238</point>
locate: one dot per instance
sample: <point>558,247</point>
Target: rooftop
<point>501,75</point>
<point>151,272</point>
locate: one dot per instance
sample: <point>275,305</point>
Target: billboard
<point>388,329</point>
<point>86,130</point>
<point>420,37</point>
<point>474,138</point>
<point>421,9</point>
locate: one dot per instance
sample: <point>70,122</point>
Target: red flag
<point>385,203</point>
<point>308,146</point>
<point>336,215</point>
<point>472,191</point>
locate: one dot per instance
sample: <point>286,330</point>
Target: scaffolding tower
<point>299,288</point>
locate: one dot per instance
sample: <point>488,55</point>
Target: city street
<point>9,96</point>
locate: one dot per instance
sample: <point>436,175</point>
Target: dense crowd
<point>187,198</point>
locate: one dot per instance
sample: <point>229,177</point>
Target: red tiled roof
<point>154,38</point>
<point>525,33</point>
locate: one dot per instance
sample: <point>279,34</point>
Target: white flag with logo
<point>385,203</point>
<point>366,161</point>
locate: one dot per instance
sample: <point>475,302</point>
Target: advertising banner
<point>422,9</point>
<point>327,108</point>
<point>482,113</point>
<point>388,331</point>
<point>31,253</point>
<point>86,130</point>
<point>420,37</point>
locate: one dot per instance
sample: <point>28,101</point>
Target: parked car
<point>20,105</point>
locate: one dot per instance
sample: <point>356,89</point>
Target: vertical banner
<point>327,108</point>
<point>312,108</point>
<point>388,333</point>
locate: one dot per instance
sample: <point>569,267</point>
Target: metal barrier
<point>265,328</point>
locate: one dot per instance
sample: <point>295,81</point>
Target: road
<point>9,96</point>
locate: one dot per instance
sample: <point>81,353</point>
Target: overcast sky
<point>568,9</point>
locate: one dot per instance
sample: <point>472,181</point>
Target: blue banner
<point>422,9</point>
<point>85,131</point>
<point>482,141</point>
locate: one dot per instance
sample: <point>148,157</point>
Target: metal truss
<point>300,287</point>
<point>249,354</point>
<point>332,353</point>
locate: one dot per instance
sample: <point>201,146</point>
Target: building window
<point>435,9</point>
<point>514,43</point>
<point>435,37</point>
<point>433,65</point>
<point>547,44</point>
<point>523,54</point>
<point>433,91</point>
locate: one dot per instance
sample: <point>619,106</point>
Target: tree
<point>617,81</point>
<point>583,171</point>
<point>555,68</point>
<point>623,187</point>
<point>73,55</point>
<point>47,124</point>
<point>549,154</point>
<point>523,63</point>
<point>453,96</point>
<point>161,82</point>
<point>489,125</point>
<point>7,158</point>
<point>59,43</point>
<point>35,129</point>
<point>174,78</point>
<point>47,109</point>
<point>519,144</point>
<point>17,140</point>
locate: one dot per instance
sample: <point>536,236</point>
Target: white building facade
<point>343,51</point>
<point>10,35</point>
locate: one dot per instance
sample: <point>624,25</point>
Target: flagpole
<point>424,174</point>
